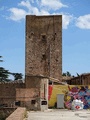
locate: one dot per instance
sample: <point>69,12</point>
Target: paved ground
<point>59,115</point>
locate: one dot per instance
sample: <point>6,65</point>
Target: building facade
<point>83,79</point>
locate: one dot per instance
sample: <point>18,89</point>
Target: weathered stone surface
<point>44,46</point>
<point>8,93</point>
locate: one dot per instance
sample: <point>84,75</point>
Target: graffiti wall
<point>71,93</point>
<point>81,93</point>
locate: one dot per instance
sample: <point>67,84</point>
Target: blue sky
<point>75,33</point>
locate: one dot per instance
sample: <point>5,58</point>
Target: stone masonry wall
<point>29,98</point>
<point>35,93</point>
<point>8,92</point>
<point>32,81</point>
<point>44,46</point>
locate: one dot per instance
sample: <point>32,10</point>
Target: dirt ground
<point>53,114</point>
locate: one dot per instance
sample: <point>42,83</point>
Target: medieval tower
<point>44,46</point>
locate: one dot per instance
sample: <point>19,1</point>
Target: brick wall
<point>29,98</point>
<point>8,92</point>
<point>35,93</point>
<point>44,46</point>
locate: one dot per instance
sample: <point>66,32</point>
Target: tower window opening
<point>43,57</point>
<point>43,37</point>
<point>55,33</point>
<point>32,33</point>
<point>33,101</point>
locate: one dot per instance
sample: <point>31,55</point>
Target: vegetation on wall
<point>67,74</point>
<point>2,116</point>
<point>17,76</point>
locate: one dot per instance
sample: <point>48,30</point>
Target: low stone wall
<point>8,93</point>
<point>5,112</point>
<point>18,114</point>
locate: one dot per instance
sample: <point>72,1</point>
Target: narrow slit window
<point>33,101</point>
<point>43,37</point>
<point>43,57</point>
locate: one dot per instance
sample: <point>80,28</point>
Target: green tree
<point>1,60</point>
<point>67,74</point>
<point>4,74</point>
<point>17,76</point>
<point>64,74</point>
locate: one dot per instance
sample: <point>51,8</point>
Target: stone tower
<point>44,46</point>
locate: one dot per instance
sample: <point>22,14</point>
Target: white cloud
<point>44,12</point>
<point>35,11</point>
<point>52,4</point>
<point>17,14</point>
<point>66,19</point>
<point>32,9</point>
<point>25,4</point>
<point>83,22</point>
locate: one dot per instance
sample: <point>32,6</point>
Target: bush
<point>2,116</point>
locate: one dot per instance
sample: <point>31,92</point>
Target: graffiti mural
<point>81,94</point>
